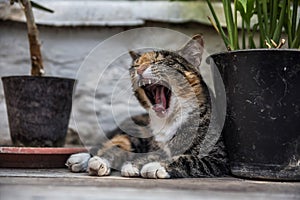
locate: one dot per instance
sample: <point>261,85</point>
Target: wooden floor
<point>52,184</point>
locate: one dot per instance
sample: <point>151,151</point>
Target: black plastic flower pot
<point>262,127</point>
<point>38,109</point>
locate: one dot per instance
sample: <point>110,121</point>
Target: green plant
<point>271,18</point>
<point>37,68</point>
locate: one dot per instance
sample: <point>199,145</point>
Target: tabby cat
<point>168,141</point>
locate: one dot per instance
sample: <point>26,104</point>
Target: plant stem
<point>263,36</point>
<point>235,30</point>
<point>296,41</point>
<point>274,16</point>
<point>218,25</point>
<point>251,44</point>
<point>288,25</point>
<point>37,68</point>
<point>265,14</point>
<point>230,24</point>
<point>243,34</point>
<point>294,17</point>
<point>278,30</point>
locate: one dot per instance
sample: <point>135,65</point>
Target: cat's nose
<point>141,69</point>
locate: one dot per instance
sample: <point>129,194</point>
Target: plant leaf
<point>243,4</point>
<point>246,9</point>
<point>40,7</point>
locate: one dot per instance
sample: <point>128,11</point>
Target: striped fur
<point>169,86</point>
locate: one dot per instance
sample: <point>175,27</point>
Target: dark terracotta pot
<point>262,128</point>
<point>38,109</point>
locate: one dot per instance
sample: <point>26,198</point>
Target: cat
<point>167,141</point>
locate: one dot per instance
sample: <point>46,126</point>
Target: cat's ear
<point>193,50</point>
<point>134,55</point>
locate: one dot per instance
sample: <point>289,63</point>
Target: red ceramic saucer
<point>36,157</point>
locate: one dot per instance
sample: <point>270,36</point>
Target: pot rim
<point>242,51</point>
<point>36,77</point>
<point>255,50</point>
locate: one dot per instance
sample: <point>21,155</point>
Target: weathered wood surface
<point>60,183</point>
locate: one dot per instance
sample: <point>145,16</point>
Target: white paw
<point>154,170</point>
<point>98,166</point>
<point>78,162</point>
<point>129,170</point>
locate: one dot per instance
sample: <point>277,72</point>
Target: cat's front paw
<point>98,166</point>
<point>130,170</point>
<point>78,162</point>
<point>154,170</point>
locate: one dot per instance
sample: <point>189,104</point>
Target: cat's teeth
<point>144,82</point>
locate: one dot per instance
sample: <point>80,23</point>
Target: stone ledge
<point>113,13</point>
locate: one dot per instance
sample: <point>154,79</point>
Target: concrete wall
<point>64,50</point>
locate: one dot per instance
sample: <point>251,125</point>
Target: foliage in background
<point>273,17</point>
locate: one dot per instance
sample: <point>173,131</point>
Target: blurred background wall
<point>74,29</point>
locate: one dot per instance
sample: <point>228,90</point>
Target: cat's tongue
<point>160,100</point>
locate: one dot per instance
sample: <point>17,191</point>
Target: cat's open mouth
<point>159,94</point>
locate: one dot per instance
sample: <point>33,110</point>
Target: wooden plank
<point>62,177</point>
